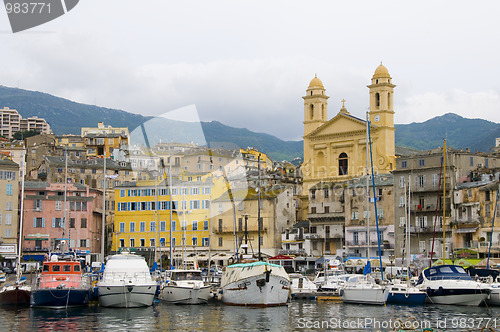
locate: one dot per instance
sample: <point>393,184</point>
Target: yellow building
<point>136,216</point>
<point>251,155</point>
<point>103,140</point>
<point>335,149</point>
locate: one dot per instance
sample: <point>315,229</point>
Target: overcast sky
<point>248,63</point>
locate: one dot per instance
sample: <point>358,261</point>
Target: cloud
<point>421,107</point>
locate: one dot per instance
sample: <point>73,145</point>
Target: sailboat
<point>18,293</point>
<point>402,292</point>
<point>450,284</point>
<point>363,289</point>
<point>255,283</point>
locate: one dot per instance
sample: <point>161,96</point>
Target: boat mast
<point>65,195</point>
<point>408,225</point>
<point>170,204</point>
<point>18,271</point>
<point>444,201</point>
<point>375,204</point>
<point>103,222</point>
<point>258,205</point>
<point>367,192</point>
<point>492,227</point>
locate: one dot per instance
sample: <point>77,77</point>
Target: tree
<point>20,135</point>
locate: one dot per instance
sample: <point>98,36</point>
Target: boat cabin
<point>186,275</point>
<point>60,274</point>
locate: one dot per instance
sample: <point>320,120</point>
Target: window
<point>195,191</point>
<point>327,209</point>
<point>83,243</point>
<point>401,201</point>
<point>195,225</point>
<point>9,189</point>
<point>173,225</point>
<point>8,206</point>
<point>355,215</point>
<point>39,222</point>
<point>313,210</point>
<point>205,204</point>
<point>122,243</point>
<point>404,164</point>
<point>57,222</point>
<point>83,223</point>
<point>163,226</point>
<point>326,193</point>
<point>8,219</point>
<point>122,193</point>
<point>421,162</point>
<point>194,205</point>
<point>435,180</point>
<point>195,241</point>
<point>401,182</point>
<point>58,205</point>
<point>355,236</point>
<point>206,191</point>
<point>37,205</point>
<point>220,225</point>
<point>152,226</point>
<point>220,242</point>
<point>142,226</point>
<point>122,227</point>
<point>183,225</point>
<point>471,161</point>
<point>162,241</point>
<point>71,222</point>
<point>205,225</point>
<point>313,194</point>
<point>132,226</point>
<point>143,242</point>
<point>261,240</point>
<point>402,221</point>
<point>420,181</point>
<point>152,242</point>
<point>7,232</point>
<point>205,242</point>
<point>343,164</point>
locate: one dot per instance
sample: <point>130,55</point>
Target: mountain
<point>67,117</point>
<point>460,133</point>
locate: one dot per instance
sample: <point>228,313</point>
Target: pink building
<point>44,228</point>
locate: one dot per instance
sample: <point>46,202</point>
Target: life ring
<point>60,278</point>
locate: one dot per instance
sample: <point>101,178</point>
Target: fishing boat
<point>126,282</point>
<point>61,284</point>
<point>18,293</point>
<point>302,287</point>
<point>185,287</point>
<point>450,284</point>
<point>255,284</point>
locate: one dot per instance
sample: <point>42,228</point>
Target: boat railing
<point>119,276</point>
<point>453,277</point>
<point>62,281</point>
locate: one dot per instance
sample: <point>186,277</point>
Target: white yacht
<point>336,282</point>
<point>302,287</point>
<point>185,287</point>
<point>450,284</point>
<point>255,284</point>
<point>126,282</point>
<point>363,289</point>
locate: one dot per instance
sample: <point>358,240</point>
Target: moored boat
<point>450,284</point>
<point>302,287</point>
<point>185,287</point>
<point>403,293</point>
<point>362,289</point>
<point>60,284</point>
<point>126,282</point>
<point>255,284</point>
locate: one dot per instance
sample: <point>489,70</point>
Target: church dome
<point>381,71</point>
<point>316,83</point>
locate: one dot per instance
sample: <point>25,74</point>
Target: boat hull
<point>376,296</point>
<point>185,295</point>
<point>15,295</point>
<point>494,298</point>
<point>59,298</point>
<point>126,296</point>
<point>246,292</point>
<point>456,296</point>
<point>417,298</point>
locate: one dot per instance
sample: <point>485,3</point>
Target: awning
<point>466,230</point>
<point>280,258</point>
<point>37,236</point>
<point>37,258</point>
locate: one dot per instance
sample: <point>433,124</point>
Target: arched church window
<point>389,100</point>
<point>377,99</point>
<point>343,164</point>
<point>311,93</point>
<point>312,112</point>
<point>376,81</point>
<point>321,164</point>
<point>322,111</point>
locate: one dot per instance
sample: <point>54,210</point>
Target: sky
<point>247,64</point>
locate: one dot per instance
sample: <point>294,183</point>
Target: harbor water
<point>299,315</point>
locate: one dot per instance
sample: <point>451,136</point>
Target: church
<point>335,149</point>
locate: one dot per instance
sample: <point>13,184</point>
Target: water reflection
<point>218,317</point>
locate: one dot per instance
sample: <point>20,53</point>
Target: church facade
<point>335,149</point>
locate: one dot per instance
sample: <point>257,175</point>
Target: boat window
<point>56,268</point>
<point>77,268</point>
<point>46,268</point>
<point>197,276</point>
<point>66,268</point>
<point>446,269</point>
<point>432,271</point>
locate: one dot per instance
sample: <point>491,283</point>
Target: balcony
<point>361,243</point>
<point>336,216</point>
<point>36,249</point>
<point>220,230</point>
<point>296,252</point>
